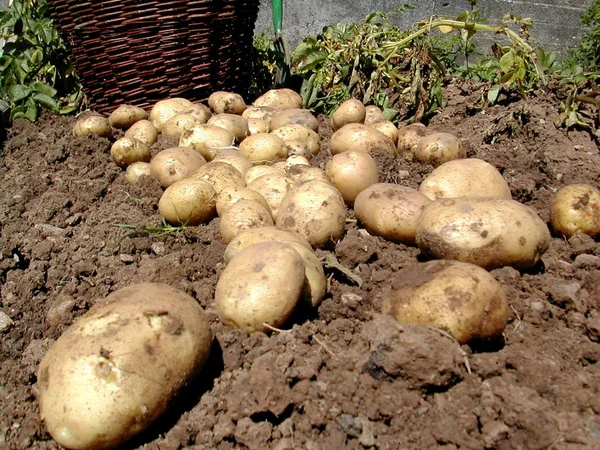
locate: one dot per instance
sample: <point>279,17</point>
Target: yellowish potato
<point>297,132</point>
<point>301,173</point>
<point>126,151</point>
<point>223,102</point>
<point>373,114</point>
<point>295,160</point>
<point>126,115</point>
<point>259,171</point>
<point>163,110</point>
<point>144,131</point>
<point>280,98</point>
<point>175,164</point>
<point>230,195</point>
<point>241,216</point>
<point>387,128</point>
<point>408,139</point>
<point>260,112</point>
<point>256,126</point>
<point>263,148</point>
<point>93,124</point>
<point>177,125</point>
<point>220,175</point>
<point>356,136</point>
<point>233,157</point>
<point>438,148</point>
<point>137,170</point>
<point>576,209</point>
<point>188,202</point>
<point>294,116</point>
<point>273,188</point>
<point>232,122</point>
<point>351,173</point>
<point>207,140</point>
<point>350,111</point>
<point>201,112</point>
<point>298,147</point>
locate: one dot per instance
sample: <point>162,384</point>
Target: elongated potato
<point>350,111</point>
<point>116,369</point>
<point>223,102</point>
<point>273,188</point>
<point>576,209</point>
<point>241,216</point>
<point>126,115</point>
<point>263,148</point>
<point>297,132</point>
<point>280,98</point>
<point>188,202</point>
<point>356,136</point>
<point>220,175</point>
<point>294,116</point>
<point>144,131</point>
<point>175,164</point>
<point>93,124</point>
<point>163,110</point>
<point>126,151</point>
<point>489,232</point>
<point>207,140</point>
<point>232,122</point>
<point>351,173</point>
<point>438,148</point>
<point>230,195</point>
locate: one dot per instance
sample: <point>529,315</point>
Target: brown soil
<point>348,377</point>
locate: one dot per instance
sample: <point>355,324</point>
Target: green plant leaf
<point>43,88</point>
<point>46,101</point>
<point>507,61</point>
<point>493,93</point>
<point>18,92</point>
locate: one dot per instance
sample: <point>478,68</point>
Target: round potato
<point>260,287</point>
<point>256,126</point>
<point>408,139</point>
<point>301,173</point>
<point>232,122</point>
<point>126,115</point>
<point>188,202</point>
<point>220,175</point>
<point>137,170</point>
<point>260,112</point>
<point>242,215</point>
<point>460,298</point>
<point>350,111</point>
<point>294,116</point>
<point>233,158</point>
<point>126,151</point>
<point>297,132</point>
<point>489,232</point>
<point>223,102</point>
<point>144,131</point>
<point>116,369</point>
<point>179,124</point>
<point>259,171</point>
<point>373,114</point>
<point>273,188</point>
<point>438,148</point>
<point>465,178</point>
<point>298,147</point>
<point>280,98</point>
<point>390,211</point>
<point>201,112</point>
<point>230,195</point>
<point>387,128</point>
<point>175,164</point>
<point>295,160</point>
<point>576,209</point>
<point>356,136</point>
<point>263,148</point>
<point>207,140</point>
<point>93,124</point>
<point>163,110</point>
<point>352,172</point>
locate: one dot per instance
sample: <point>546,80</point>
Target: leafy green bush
<point>588,51</point>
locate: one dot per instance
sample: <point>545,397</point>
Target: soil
<point>73,230</point>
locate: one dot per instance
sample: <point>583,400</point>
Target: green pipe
<point>277,16</point>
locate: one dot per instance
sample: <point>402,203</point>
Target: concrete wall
<point>556,22</point>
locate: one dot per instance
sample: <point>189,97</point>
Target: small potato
<point>242,215</point>
<point>356,136</point>
<point>460,298</point>
<point>144,131</point>
<point>175,164</point>
<point>232,122</point>
<point>163,110</point>
<point>438,148</point>
<point>373,114</point>
<point>220,175</point>
<point>113,372</point>
<point>576,209</point>
<point>256,126</point>
<point>301,133</point>
<point>223,102</point>
<point>294,116</point>
<point>126,115</point>
<point>489,232</point>
<point>233,157</point>
<point>126,151</point>
<point>408,139</point>
<point>201,112</point>
<point>230,195</point>
<point>260,112</point>
<point>177,125</point>
<point>280,98</point>
<point>350,111</point>
<point>301,173</point>
<point>259,171</point>
<point>273,188</point>
<point>465,178</point>
<point>93,124</point>
<point>295,160</point>
<point>298,147</point>
<point>315,210</point>
<point>351,173</point>
<point>390,211</point>
<point>263,148</point>
<point>260,287</point>
<point>137,170</point>
<point>387,128</point>
<point>188,202</point>
<point>207,140</point>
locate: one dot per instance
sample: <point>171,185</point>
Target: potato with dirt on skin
<point>294,116</point>
<point>390,211</point>
<point>241,216</point>
<point>163,110</point>
<point>373,114</point>
<point>300,173</point>
<point>219,175</point>
<point>351,173</point>
<point>174,164</point>
<point>575,208</point>
<point>356,136</point>
<point>256,126</point>
<point>260,287</point>
<point>387,128</point>
<point>280,98</point>
<point>487,231</point>
<point>224,102</point>
<point>260,112</point>
<point>98,382</point>
<point>470,177</point>
<point>295,160</point>
<point>126,151</point>
<point>93,124</point>
<point>126,115</point>
<point>144,131</point>
<point>137,170</point>
<point>438,148</point>
<point>263,148</point>
<point>273,188</point>
<point>297,147</point>
<point>259,171</point>
<point>179,124</point>
<point>460,298</point>
<point>408,139</point>
<point>297,132</point>
<point>232,122</point>
<point>233,158</point>
<point>188,202</point>
<point>350,111</point>
<point>230,195</point>
<point>207,140</point>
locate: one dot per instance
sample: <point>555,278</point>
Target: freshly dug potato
<point>260,287</point>
<point>260,112</point>
<point>263,148</point>
<point>489,232</point>
<point>373,114</point>
<point>465,178</point>
<point>201,112</point>
<point>279,165</point>
<point>460,298</point>
<point>280,98</point>
<point>390,211</point>
<point>259,171</point>
<point>256,126</point>
<point>230,195</point>
<point>315,210</point>
<point>126,115</point>
<point>126,151</point>
<point>232,122</point>
<point>175,164</point>
<point>297,132</point>
<point>273,188</point>
<point>298,147</point>
<point>387,128</point>
<point>301,173</point>
<point>116,369</point>
<point>177,125</point>
<point>295,160</point>
<point>188,202</point>
<point>233,157</point>
<point>93,124</point>
<point>350,111</point>
<point>408,139</point>
<point>576,209</point>
<point>163,110</point>
<point>294,116</point>
<point>222,102</point>
<point>144,131</point>
<point>352,172</point>
<point>136,170</point>
<point>207,140</point>
<point>356,136</point>
<point>220,175</point>
<point>438,148</point>
<point>242,215</point>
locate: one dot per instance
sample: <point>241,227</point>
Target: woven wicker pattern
<point>139,52</point>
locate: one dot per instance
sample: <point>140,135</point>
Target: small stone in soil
<point>5,322</point>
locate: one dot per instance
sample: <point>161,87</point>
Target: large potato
<point>388,128</point>
<point>230,195</point>
<point>351,173</point>
<point>489,232</point>
<point>300,173</point>
<point>390,211</point>
<point>465,178</point>
<point>297,132</point>
<point>126,115</point>
<point>260,112</point>
<point>116,369</point>
<point>373,113</point>
<point>243,215</point>
<point>256,126</point>
<point>350,111</point>
<point>460,298</point>
<point>220,175</point>
<point>280,98</point>
<point>163,110</point>
<point>232,122</point>
<point>188,202</point>
<point>137,170</point>
<point>294,116</point>
<point>356,136</point>
<point>263,148</point>
<point>144,131</point>
<point>258,171</point>
<point>260,287</point>
<point>223,102</point>
<point>576,209</point>
<point>438,148</point>
<point>174,164</point>
<point>126,151</point>
<point>207,140</point>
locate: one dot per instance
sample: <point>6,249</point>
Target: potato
<point>223,102</point>
<point>126,115</point>
<point>260,287</point>
<point>315,210</point>
<point>295,160</point>
<point>116,369</point>
<point>136,170</point>
<point>408,139</point>
<point>242,215</point>
<point>144,131</point>
<point>438,148</point>
<point>460,298</point>
<point>230,195</point>
<point>273,188</point>
<point>489,232</point>
<point>207,140</point>
<point>301,173</point>
<point>387,128</point>
<point>126,151</point>
<point>390,211</point>
<point>234,123</point>
<point>220,175</point>
<point>179,124</point>
<point>163,110</point>
<point>259,171</point>
<point>233,158</point>
<point>175,164</point>
<point>356,136</point>
<point>352,172</point>
<point>465,178</point>
<point>92,124</point>
<point>298,147</point>
<point>294,116</point>
<point>263,148</point>
<point>280,98</point>
<point>188,202</point>
<point>576,209</point>
<point>373,114</point>
<point>201,112</point>
<point>260,112</point>
<point>301,133</point>
<point>256,126</point>
<point>350,111</point>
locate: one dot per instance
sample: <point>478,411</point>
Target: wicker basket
<point>139,52</point>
